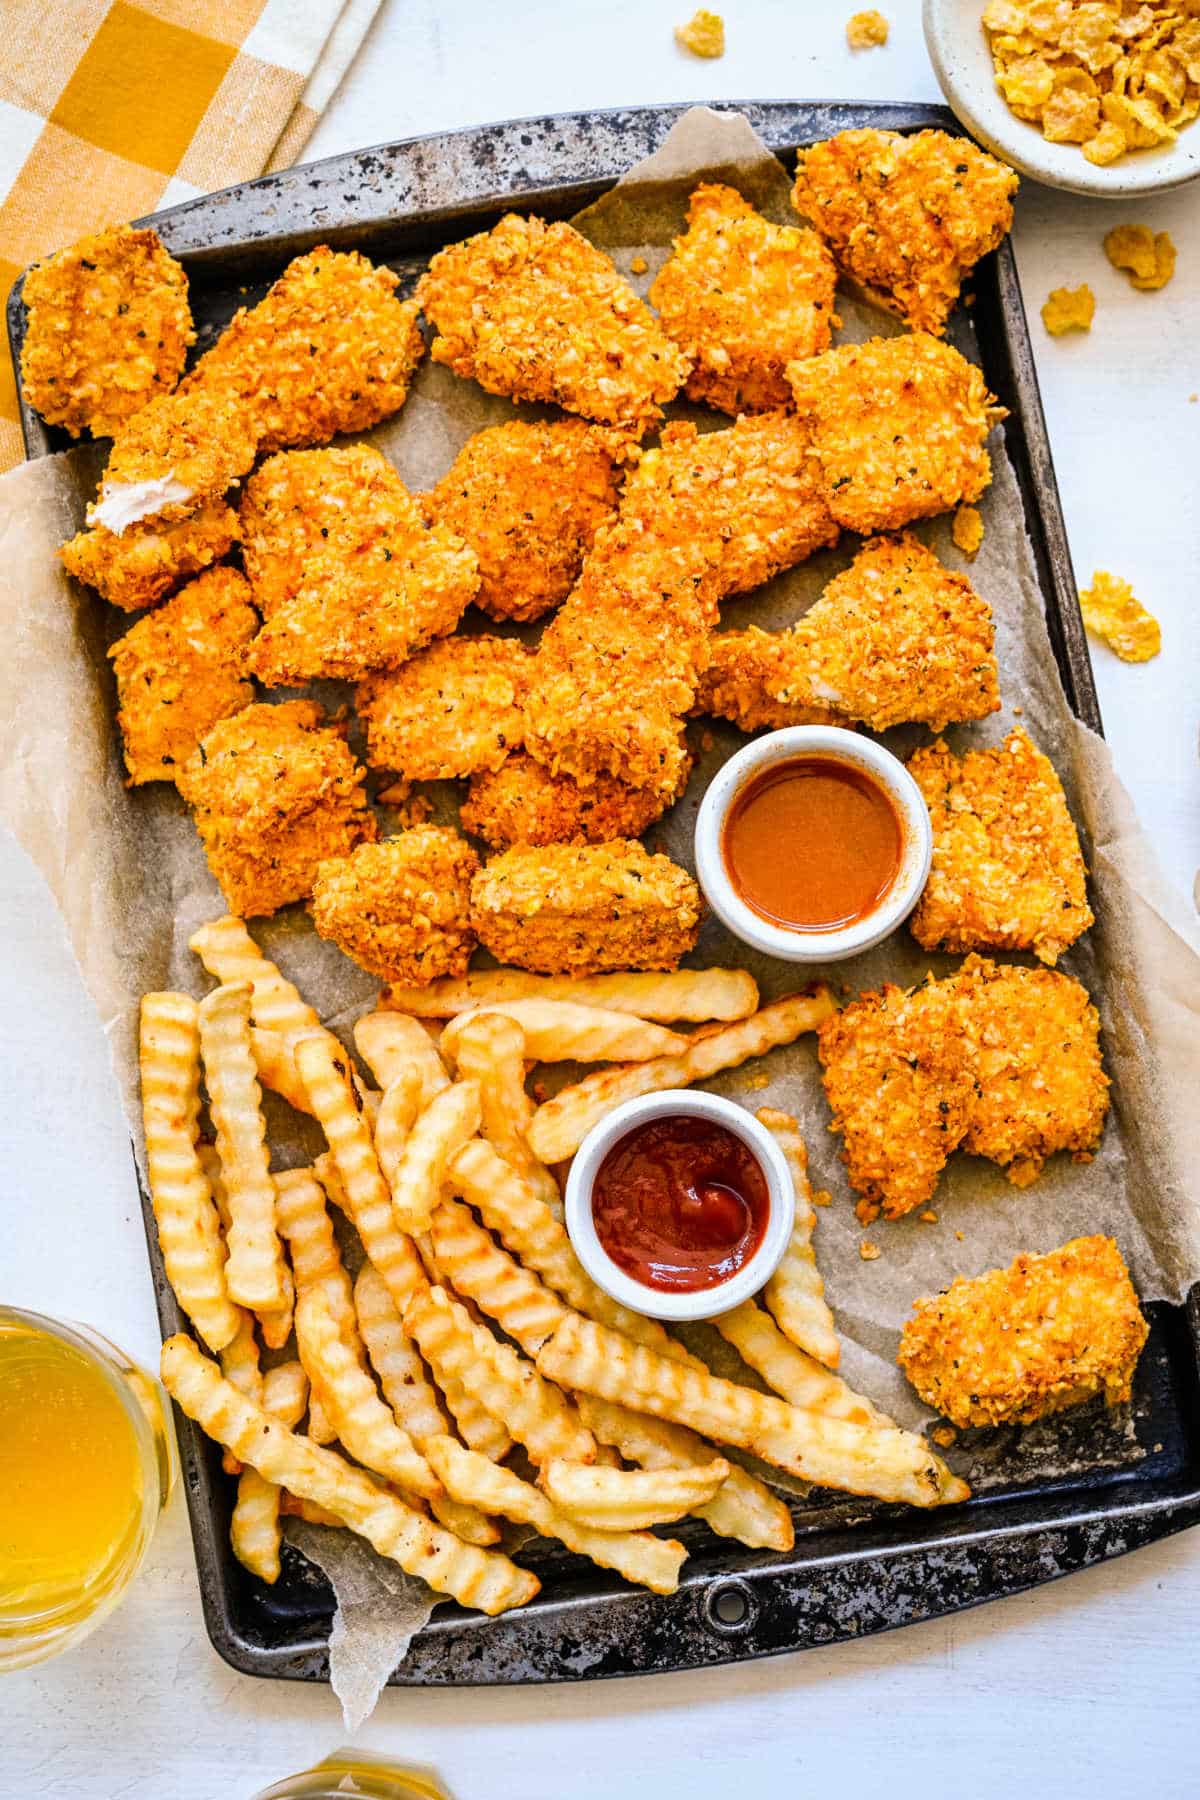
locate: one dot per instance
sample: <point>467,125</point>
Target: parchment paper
<point>128,874</point>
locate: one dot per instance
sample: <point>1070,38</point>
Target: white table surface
<point>1085,1688</point>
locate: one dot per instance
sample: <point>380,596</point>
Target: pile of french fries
<point>466,1370</point>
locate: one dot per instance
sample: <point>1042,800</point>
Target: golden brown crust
<point>453,710</point>
<point>743,666</point>
<point>150,558</point>
<point>522,803</point>
<point>536,312</point>
<point>907,216</point>
<point>401,908</point>
<point>179,670</point>
<point>1007,868</point>
<point>302,502</point>
<point>274,794</point>
<point>1015,1344</point>
<point>204,442</point>
<point>566,910</point>
<point>108,327</point>
<point>742,298</point>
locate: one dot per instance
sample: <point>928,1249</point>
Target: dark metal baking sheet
<point>1049,1500</point>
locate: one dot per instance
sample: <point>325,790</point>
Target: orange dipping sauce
<point>812,844</point>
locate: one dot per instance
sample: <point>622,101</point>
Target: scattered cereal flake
<point>703,35</point>
<point>868,1251</point>
<point>959,1236</point>
<point>822,1197</point>
<point>639,265</point>
<point>866,31</point>
<point>944,1436</point>
<point>1069,309</point>
<point>1112,612</point>
<point>1148,259</point>
<point>967,530</point>
<point>929,1217</point>
<point>1107,145</point>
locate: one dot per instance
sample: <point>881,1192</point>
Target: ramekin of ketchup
<point>813,843</point>
<point>680,1205</point>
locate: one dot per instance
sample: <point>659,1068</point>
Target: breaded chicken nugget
<point>107,329</point>
<point>1016,1344</point>
<point>742,667</point>
<point>151,557</point>
<point>901,1091</point>
<point>907,217</point>
<point>274,795</point>
<point>179,670</point>
<point>1035,1038</point>
<point>401,908</point>
<point>454,709</point>
<point>566,910</point>
<point>898,429</point>
<point>528,499</point>
<point>536,312</point>
<point>522,803</point>
<point>1007,867</point>
<point>742,298</point>
<point>895,638</point>
<point>329,349</point>
<point>302,502</point>
<point>179,450</point>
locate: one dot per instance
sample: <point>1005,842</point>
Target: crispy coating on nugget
<point>303,502</point>
<point>529,499</point>
<point>567,910</point>
<point>536,312</point>
<point>179,670</point>
<point>743,667</point>
<point>895,638</point>
<point>899,426</point>
<point>274,794</point>
<point>108,327</point>
<point>1007,868</point>
<point>742,298</point>
<point>1035,1038</point>
<point>1016,1344</point>
<point>178,450</point>
<point>900,1090</point>
<point>454,709</point>
<point>400,908</point>
<point>522,803</point>
<point>152,557</point>
<point>907,217</point>
<point>329,349</point>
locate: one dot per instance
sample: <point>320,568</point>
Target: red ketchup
<point>680,1204</point>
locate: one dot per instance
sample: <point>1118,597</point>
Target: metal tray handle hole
<point>729,1608</point>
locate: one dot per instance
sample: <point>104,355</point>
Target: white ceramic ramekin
<point>861,753</point>
<point>705,1303</point>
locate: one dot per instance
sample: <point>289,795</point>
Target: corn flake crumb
<point>822,1197</point>
<point>868,1251</point>
<point>703,35</point>
<point>944,1436</point>
<point>639,265</point>
<point>1147,259</point>
<point>1111,611</point>
<point>866,31</point>
<point>1068,309</point>
<point>959,1236</point>
<point>967,530</point>
<point>929,1217</point>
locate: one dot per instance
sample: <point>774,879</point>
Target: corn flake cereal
<point>967,530</point>
<point>1111,611</point>
<point>1149,260</point>
<point>1068,309</point>
<point>866,31</point>
<point>703,35</point>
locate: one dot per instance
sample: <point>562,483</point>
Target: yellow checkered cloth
<point>109,110</point>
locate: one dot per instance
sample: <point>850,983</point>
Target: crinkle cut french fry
<point>860,1459</point>
<point>477,1428</point>
<point>491,1051</point>
<point>652,1562</point>
<point>185,1213</point>
<point>451,1118</point>
<point>363,1423</point>
<point>630,1499</point>
<point>254,1270</point>
<point>795,1294</point>
<point>240,1365</point>
<point>560,1126</point>
<point>796,1376</point>
<point>254,1526</point>
<point>389,1042</point>
<point>276,1065</point>
<point>564,1031</point>
<point>230,954</point>
<point>398,1110</point>
<point>307,1229</point>
<point>478,1578</point>
<point>532,1410</point>
<point>477,1269</point>
<point>695,995</point>
<point>291,1506</point>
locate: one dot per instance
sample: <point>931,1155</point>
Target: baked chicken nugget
<point>401,908</point>
<point>179,450</point>
<point>275,793</point>
<point>329,349</point>
<point>145,562</point>
<point>569,910</point>
<point>304,502</point>
<point>895,638</point>
<point>107,329</point>
<point>898,426</point>
<point>1016,1344</point>
<point>1007,867</point>
<point>907,217</point>
<point>537,312</point>
<point>522,803</point>
<point>179,670</point>
<point>454,709</point>
<point>901,1088</point>
<point>742,298</point>
<point>742,669</point>
<point>528,498</point>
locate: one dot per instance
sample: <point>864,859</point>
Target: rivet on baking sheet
<point>729,1607</point>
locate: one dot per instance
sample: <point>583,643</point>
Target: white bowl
<point>705,1303</point>
<point>962,61</point>
<point>782,746</point>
